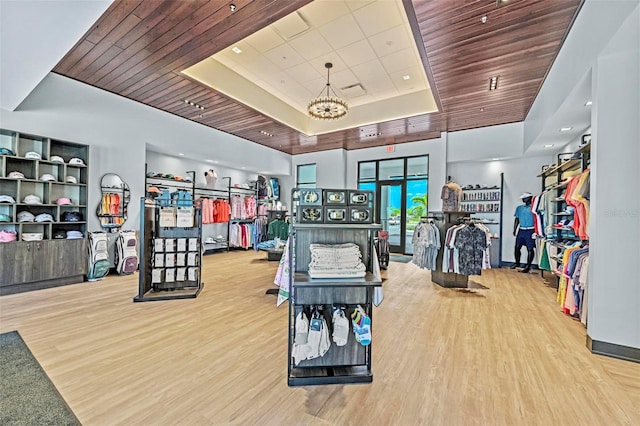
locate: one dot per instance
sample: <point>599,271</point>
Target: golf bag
<point>98,256</point>
<point>126,252</point>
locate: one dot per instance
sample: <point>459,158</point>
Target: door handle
<point>28,247</point>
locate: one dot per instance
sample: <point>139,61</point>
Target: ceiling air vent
<point>353,91</point>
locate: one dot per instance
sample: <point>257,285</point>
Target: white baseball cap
<point>71,179</point>
<point>32,236</point>
<point>526,195</point>
<point>44,217</point>
<point>33,155</point>
<point>25,216</point>
<point>56,159</point>
<point>7,199</point>
<point>16,175</point>
<point>48,177</point>
<point>76,161</point>
<point>32,199</point>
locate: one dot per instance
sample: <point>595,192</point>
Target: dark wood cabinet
<point>40,264</point>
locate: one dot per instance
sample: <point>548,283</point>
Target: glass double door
<point>401,204</point>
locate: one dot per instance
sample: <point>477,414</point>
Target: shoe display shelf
<point>49,259</point>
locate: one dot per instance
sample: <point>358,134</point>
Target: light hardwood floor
<point>500,356</point>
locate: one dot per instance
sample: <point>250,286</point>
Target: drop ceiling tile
<point>319,12</point>
<point>357,4</point>
<point>385,94</point>
<point>391,41</point>
<point>265,40</point>
<point>398,61</point>
<point>342,79</point>
<point>361,100</point>
<point>357,53</point>
<point>311,45</point>
<point>342,32</point>
<point>284,56</point>
<point>338,64</point>
<point>416,81</point>
<point>378,17</point>
<point>369,70</point>
<point>304,73</point>
<point>290,26</point>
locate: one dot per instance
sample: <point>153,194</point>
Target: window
<point>306,176</point>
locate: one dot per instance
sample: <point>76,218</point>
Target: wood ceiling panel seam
<point>190,54</point>
<point>112,18</point>
<point>89,64</point>
<point>171,92</point>
<point>140,50</point>
<point>176,100</point>
<point>156,82</point>
<point>101,60</point>
<point>144,39</point>
<point>81,48</point>
<point>172,45</point>
<point>149,21</point>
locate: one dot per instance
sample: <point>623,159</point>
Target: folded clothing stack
<point>336,261</point>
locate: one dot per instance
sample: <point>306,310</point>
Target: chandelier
<point>327,107</point>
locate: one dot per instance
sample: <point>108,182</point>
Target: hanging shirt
<point>471,243</point>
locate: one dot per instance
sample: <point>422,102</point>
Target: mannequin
<point>211,177</point>
<point>523,229</point>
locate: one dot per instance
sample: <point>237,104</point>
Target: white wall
<point>614,293</point>
<point>519,176</point>
<point>486,143</point>
<point>596,23</point>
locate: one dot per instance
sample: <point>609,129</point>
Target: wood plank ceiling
<point>138,49</point>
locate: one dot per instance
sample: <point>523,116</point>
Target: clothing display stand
<point>554,184</point>
<point>218,194</point>
<point>350,363</point>
<point>170,254</point>
<point>447,279</point>
<point>243,192</point>
<point>486,205</point>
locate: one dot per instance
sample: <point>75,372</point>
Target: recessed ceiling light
<point>588,103</point>
<point>181,154</point>
<point>549,145</point>
<point>236,49</point>
<point>406,77</point>
<point>565,129</point>
<point>493,83</point>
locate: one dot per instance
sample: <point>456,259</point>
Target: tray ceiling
<point>140,49</point>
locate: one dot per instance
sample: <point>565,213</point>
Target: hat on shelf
<point>59,235</point>
<point>153,190</point>
<point>48,177</point>
<point>7,236</point>
<point>7,199</point>
<point>209,240</point>
<point>32,199</point>
<point>25,216</point>
<point>526,195</point>
<point>71,217</point>
<point>5,218</point>
<point>187,179</point>
<point>32,155</point>
<point>74,235</point>
<point>179,178</point>
<point>151,174</point>
<point>7,151</point>
<point>63,201</point>
<point>32,236</point>
<point>75,161</point>
<point>44,217</point>
<point>71,179</point>
<point>56,159</point>
<point>16,175</point>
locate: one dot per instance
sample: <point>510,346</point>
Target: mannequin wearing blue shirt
<point>523,229</point>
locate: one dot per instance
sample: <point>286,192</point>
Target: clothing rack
<point>218,194</point>
<point>448,279</point>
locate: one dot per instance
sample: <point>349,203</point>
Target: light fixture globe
<point>327,107</point>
